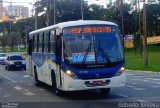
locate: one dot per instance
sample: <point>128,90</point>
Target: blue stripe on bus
<point>39,59</point>
<point>86,74</point>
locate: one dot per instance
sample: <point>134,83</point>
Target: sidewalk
<point>141,71</point>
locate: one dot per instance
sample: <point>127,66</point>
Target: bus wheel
<point>105,92</point>
<point>37,82</point>
<point>54,85</point>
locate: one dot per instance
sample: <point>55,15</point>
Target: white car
<point>3,57</point>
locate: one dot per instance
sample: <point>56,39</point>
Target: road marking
<point>24,91</point>
<point>139,89</point>
<point>155,79</point>
<point>140,76</point>
<point>131,86</point>
<point>8,78</point>
<point>134,83</point>
<point>142,80</point>
<point>30,84</point>
<point>122,95</point>
<point>140,100</point>
<point>147,81</point>
<point>26,76</point>
<point>129,74</point>
<point>42,89</point>
<point>155,86</point>
<point>6,96</point>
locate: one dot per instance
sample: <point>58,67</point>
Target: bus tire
<point>105,92</point>
<point>54,85</point>
<point>37,82</point>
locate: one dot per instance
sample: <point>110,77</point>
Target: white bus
<point>77,55</point>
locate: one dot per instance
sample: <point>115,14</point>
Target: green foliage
<point>135,62</point>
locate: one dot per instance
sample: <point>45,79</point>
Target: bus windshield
<point>94,44</point>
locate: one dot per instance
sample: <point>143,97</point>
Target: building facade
<point>18,10</point>
<point>1,8</point>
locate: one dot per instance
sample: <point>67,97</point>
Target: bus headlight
<point>120,71</point>
<point>71,74</point>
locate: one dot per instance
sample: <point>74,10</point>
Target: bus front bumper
<point>78,84</point>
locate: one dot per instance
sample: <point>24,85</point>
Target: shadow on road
<point>82,95</point>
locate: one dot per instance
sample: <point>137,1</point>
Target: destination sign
<point>78,30</point>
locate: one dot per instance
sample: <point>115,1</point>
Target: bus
<point>77,55</point>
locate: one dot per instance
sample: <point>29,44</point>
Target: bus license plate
<point>97,82</point>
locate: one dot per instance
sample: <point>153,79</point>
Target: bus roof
<point>74,23</point>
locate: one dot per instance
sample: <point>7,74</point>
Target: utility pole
<point>122,20</point>
<point>82,9</point>
<point>145,36</point>
<point>36,14</point>
<point>54,12</point>
<point>140,38</point>
<point>47,13</point>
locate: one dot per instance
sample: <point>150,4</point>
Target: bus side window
<point>46,42</point>
<point>49,42</point>
<point>33,43</point>
<point>52,42</point>
<point>37,43</point>
<point>43,42</point>
<point>40,43</point>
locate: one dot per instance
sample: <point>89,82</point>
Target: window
<point>33,43</point>
<point>40,42</point>
<point>2,55</point>
<point>16,57</point>
<point>43,42</point>
<point>49,41</point>
<point>46,42</point>
<point>52,42</point>
<point>37,50</point>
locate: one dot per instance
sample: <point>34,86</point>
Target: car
<point>3,57</point>
<point>15,62</point>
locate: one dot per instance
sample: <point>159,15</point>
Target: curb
<point>140,71</point>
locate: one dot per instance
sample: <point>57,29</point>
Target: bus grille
<point>97,76</point>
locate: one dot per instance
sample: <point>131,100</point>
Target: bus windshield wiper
<point>86,52</point>
<point>105,54</point>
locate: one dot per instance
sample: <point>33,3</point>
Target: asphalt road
<point>17,90</point>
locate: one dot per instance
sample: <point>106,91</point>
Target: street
<point>17,86</point>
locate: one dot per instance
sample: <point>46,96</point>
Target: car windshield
<point>2,55</point>
<point>92,44</point>
<point>16,58</point>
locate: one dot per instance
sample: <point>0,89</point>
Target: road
<point>17,86</point>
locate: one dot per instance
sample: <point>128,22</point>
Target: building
<point>1,8</point>
<point>18,10</point>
